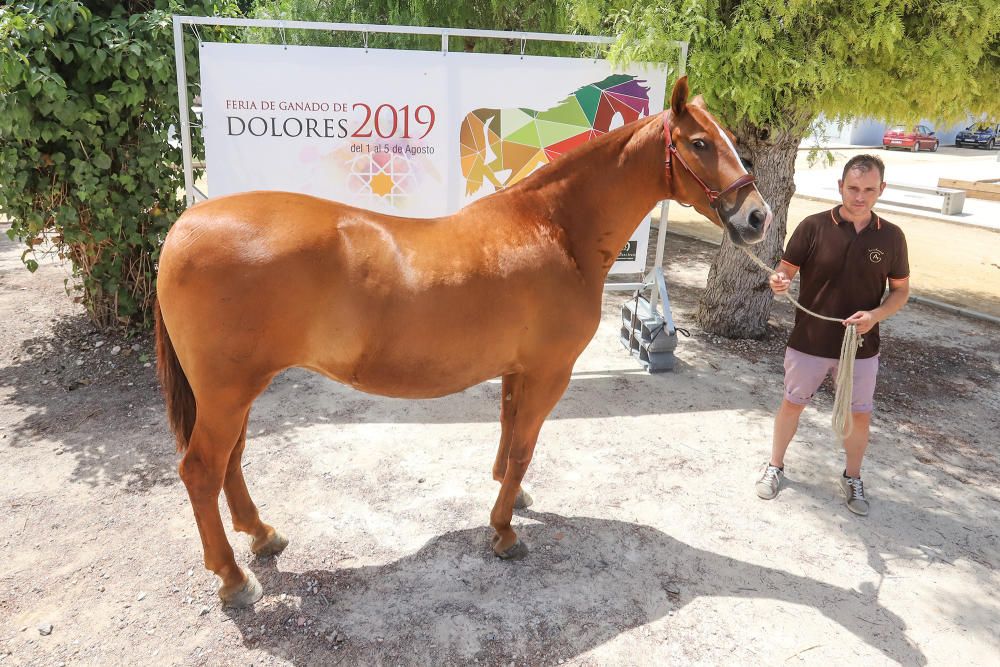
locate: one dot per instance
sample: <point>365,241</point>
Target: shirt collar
<point>875,221</point>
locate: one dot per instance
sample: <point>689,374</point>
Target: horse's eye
<point>699,144</point>
<point>747,164</point>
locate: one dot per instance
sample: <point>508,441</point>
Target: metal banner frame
<point>653,278</point>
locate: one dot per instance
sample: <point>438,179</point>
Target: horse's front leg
<point>511,384</point>
<point>532,397</point>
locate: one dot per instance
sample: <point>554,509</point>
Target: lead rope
<point>843,419</point>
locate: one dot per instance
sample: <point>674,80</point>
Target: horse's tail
<point>176,389</point>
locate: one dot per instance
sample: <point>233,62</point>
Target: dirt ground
<point>648,544</point>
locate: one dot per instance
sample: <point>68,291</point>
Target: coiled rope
<point>843,420</point>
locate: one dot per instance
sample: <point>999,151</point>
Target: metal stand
<point>648,332</point>
<point>648,335</point>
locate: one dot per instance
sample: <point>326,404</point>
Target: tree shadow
<point>102,409</point>
<point>586,581</point>
<point>986,300</point>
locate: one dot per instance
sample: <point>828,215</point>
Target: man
<point>844,258</point>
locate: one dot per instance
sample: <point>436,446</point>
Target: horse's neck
<point>599,196</point>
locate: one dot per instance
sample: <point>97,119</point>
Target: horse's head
<point>705,171</point>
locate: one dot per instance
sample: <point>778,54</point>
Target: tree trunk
<point>737,301</point>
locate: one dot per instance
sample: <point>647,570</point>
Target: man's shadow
<point>585,581</point>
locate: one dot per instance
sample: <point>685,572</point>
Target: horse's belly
<point>420,371</point>
<point>418,385</point>
<point>425,346</point>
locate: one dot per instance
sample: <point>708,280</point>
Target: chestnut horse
<point>510,286</point>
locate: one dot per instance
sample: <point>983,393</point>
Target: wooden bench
<point>952,200</point>
<point>986,189</point>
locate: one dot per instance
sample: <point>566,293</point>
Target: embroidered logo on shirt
<point>875,255</point>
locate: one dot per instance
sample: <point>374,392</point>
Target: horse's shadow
<point>586,581</point>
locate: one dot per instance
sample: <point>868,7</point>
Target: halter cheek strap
<point>714,196</point>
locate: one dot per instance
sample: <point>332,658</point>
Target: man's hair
<point>865,163</point>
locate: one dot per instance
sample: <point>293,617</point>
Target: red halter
<point>713,195</point>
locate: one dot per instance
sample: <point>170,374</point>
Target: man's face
<point>860,190</point>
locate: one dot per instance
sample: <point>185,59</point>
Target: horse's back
<point>396,306</point>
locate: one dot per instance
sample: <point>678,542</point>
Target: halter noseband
<point>714,196</point>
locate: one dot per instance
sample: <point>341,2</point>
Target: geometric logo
<point>503,146</point>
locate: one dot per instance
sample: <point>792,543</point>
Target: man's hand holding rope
<point>780,282</point>
<point>864,320</point>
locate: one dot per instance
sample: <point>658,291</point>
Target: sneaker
<point>854,494</point>
<point>770,482</point>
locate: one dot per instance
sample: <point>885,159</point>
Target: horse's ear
<point>697,101</point>
<point>678,100</point>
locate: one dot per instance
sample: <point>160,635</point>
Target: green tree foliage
<point>768,69</point>
<point>515,15</point>
<point>87,94</point>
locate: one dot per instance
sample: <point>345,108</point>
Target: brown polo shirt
<point>841,272</point>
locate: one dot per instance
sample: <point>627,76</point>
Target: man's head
<point>861,184</point>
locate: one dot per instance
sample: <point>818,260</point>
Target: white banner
<point>410,133</point>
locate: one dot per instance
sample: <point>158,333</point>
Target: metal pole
<point>661,241</point>
<point>182,100</point>
<point>394,29</point>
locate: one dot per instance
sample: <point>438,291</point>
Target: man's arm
<point>796,254</point>
<point>782,277</point>
<point>899,293</point>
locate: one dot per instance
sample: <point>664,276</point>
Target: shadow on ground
<point>985,301</point>
<point>586,581</point>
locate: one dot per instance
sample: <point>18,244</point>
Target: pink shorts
<point>804,373</point>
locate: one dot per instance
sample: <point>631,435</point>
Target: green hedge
<point>87,94</point>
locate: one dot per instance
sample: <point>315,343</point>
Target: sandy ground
<point>648,544</point>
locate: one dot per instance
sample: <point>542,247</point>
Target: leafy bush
<point>515,15</point>
<point>87,94</point>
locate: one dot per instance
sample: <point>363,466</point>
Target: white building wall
<point>868,132</point>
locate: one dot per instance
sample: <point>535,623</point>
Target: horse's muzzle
<point>751,228</point>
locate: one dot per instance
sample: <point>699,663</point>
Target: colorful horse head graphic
<point>503,146</point>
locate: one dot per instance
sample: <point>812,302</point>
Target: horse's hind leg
<point>512,385</point>
<point>265,540</point>
<point>533,398</point>
<point>203,469</point>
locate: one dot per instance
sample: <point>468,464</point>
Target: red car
<point>911,137</point>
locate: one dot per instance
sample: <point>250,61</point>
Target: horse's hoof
<point>523,500</point>
<point>245,596</point>
<point>270,546</point>
<point>516,551</point>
